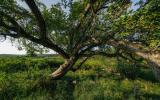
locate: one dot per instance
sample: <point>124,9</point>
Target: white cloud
<point>7,48</point>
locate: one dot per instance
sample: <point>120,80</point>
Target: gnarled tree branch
<point>41,22</point>
<point>80,64</point>
<point>22,33</point>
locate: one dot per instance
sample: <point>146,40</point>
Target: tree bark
<point>153,60</point>
<point>155,69</point>
<point>64,68</point>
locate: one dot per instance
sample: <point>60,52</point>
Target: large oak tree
<point>79,29</point>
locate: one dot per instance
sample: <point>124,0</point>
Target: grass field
<point>26,78</point>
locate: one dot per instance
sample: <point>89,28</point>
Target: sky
<point>7,48</point>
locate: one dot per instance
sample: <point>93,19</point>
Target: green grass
<point>26,78</point>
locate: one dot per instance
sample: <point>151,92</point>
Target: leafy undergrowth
<point>26,78</point>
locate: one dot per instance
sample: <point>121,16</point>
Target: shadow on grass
<point>152,96</point>
<point>147,74</point>
<point>44,88</point>
<point>58,89</point>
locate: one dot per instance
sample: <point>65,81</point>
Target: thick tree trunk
<point>153,60</point>
<point>156,70</point>
<point>64,68</point>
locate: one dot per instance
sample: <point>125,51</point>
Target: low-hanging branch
<point>80,64</point>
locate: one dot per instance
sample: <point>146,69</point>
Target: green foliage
<point>26,78</point>
<point>145,22</point>
<point>70,26</point>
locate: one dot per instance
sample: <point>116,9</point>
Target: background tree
<point>78,29</point>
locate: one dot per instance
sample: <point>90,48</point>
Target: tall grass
<point>26,78</point>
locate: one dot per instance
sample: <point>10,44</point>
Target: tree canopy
<point>78,29</point>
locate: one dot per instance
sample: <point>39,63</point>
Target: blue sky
<point>7,48</point>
